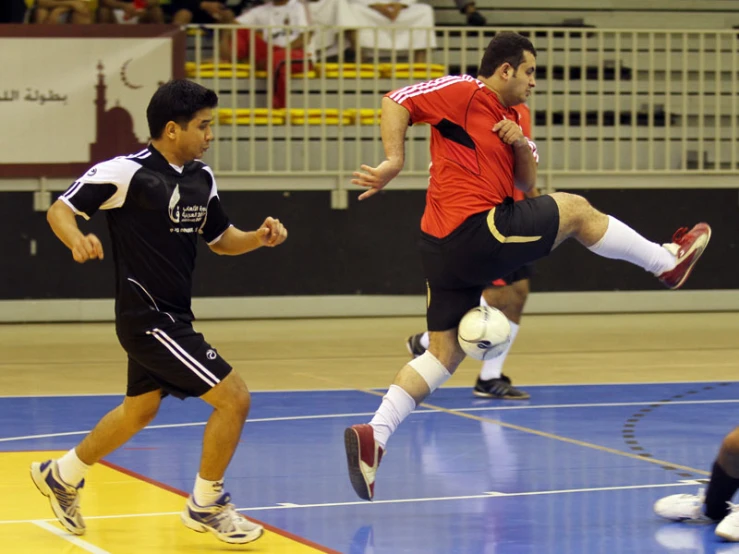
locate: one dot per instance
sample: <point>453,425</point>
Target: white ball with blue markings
<point>484,333</point>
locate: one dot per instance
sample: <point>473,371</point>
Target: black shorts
<point>485,247</point>
<point>173,357</point>
<point>523,272</point>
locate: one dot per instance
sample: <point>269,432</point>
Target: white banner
<point>70,100</point>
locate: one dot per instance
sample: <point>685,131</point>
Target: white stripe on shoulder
<point>118,172</point>
<point>143,154</point>
<point>213,187</point>
<point>405,93</point>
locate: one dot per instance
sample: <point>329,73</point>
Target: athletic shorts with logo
<point>168,354</point>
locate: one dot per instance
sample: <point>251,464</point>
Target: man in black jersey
<point>158,201</point>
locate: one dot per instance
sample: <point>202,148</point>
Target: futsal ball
<point>484,333</point>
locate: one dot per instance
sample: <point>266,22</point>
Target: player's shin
<point>414,382</point>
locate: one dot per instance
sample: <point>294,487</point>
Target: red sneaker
<point>363,455</point>
<point>687,246</point>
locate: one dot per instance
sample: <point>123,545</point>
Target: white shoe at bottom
<point>728,528</point>
<point>221,519</point>
<point>682,507</point>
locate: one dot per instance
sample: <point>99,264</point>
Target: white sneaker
<point>221,519</point>
<point>729,527</point>
<point>64,498</point>
<point>682,507</point>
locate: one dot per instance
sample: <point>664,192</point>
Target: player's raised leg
<point>606,236</point>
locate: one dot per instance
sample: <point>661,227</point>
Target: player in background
<point>713,505</point>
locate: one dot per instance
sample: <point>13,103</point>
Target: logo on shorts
<point>211,354</point>
<point>92,172</point>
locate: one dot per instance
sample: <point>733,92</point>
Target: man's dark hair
<point>177,100</point>
<point>505,47</point>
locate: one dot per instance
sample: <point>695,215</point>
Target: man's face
<point>193,140</point>
<point>521,81</point>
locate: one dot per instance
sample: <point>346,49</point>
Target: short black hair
<point>505,47</point>
<point>177,100</point>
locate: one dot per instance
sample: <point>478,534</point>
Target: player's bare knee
<point>731,443</point>
<point>577,217</point>
<point>496,297</point>
<point>232,395</point>
<point>139,411</point>
<point>519,293</point>
<point>445,348</point>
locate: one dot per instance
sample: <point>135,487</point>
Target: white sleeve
<point>103,187</point>
<point>249,18</point>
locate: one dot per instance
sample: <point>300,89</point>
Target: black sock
<point>720,490</point>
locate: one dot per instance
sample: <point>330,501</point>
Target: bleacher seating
<point>606,100</point>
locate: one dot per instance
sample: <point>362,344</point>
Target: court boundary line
<point>367,414</point>
<point>274,391</point>
<point>69,537</point>
<point>481,496</point>
<point>179,492</point>
<point>553,436</point>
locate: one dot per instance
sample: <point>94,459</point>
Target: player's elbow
<point>526,184</point>
<point>215,248</point>
<point>56,212</point>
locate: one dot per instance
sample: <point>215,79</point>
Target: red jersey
<point>471,167</point>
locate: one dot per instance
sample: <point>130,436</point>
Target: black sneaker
<point>499,387</point>
<point>414,346</point>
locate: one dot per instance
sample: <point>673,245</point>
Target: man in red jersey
<point>472,233</point>
<point>508,294</point>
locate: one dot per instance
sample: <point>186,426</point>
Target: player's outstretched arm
<point>63,222</point>
<point>235,241</point>
<point>393,126</point>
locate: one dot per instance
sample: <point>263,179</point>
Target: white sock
<point>621,242</point>
<point>206,492</point>
<point>396,406</point>
<point>493,368</point>
<point>425,340</point>
<point>71,469</point>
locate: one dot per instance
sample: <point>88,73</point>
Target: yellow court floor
<point>124,515</point>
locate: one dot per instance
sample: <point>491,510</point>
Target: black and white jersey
<point>155,212</point>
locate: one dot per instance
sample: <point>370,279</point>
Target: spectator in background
<point>195,11</point>
<point>64,11</point>
<point>391,21</point>
<point>328,15</point>
<point>130,11</point>
<point>469,10</point>
<point>292,14</point>
<point>12,11</point>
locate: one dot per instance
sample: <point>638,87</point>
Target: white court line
<point>200,424</point>
<point>292,506</point>
<point>69,537</point>
<point>594,405</point>
<point>381,388</point>
<point>420,411</point>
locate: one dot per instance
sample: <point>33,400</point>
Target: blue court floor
<point>574,470</point>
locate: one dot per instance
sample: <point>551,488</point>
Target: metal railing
<point>607,102</point>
